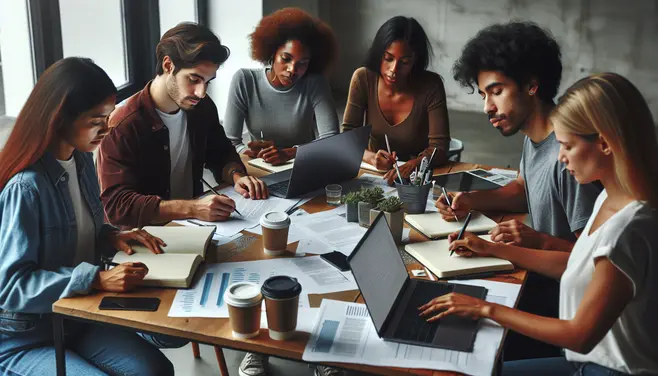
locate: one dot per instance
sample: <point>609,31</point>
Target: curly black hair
<point>400,28</point>
<point>520,50</point>
<point>274,30</point>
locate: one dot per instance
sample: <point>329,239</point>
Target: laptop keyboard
<point>280,188</point>
<point>413,327</point>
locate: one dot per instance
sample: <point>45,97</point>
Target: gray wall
<point>595,35</point>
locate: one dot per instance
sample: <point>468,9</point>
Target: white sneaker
<point>253,365</point>
<point>328,371</point>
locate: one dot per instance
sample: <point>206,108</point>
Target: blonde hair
<point>609,105</point>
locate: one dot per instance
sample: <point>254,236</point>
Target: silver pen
<point>445,194</point>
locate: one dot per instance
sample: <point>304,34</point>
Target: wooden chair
<point>219,353</point>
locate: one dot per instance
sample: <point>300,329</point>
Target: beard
<point>173,90</point>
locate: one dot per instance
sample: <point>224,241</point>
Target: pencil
<point>445,194</point>
<point>395,163</point>
<point>461,233</point>
<point>217,193</point>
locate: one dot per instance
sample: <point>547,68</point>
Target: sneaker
<point>328,371</point>
<point>253,365</point>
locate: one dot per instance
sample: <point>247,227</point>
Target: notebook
<point>260,163</point>
<point>369,167</point>
<point>436,257</point>
<point>435,227</point>
<point>185,250</point>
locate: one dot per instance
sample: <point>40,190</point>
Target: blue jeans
<point>555,367</point>
<point>91,350</point>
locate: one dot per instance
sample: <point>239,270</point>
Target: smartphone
<point>129,303</point>
<point>337,259</point>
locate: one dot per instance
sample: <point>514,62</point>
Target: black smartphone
<point>337,259</point>
<point>120,303</point>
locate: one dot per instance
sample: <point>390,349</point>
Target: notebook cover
<point>434,226</point>
<point>260,163</point>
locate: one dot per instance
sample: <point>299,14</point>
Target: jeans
<point>555,367</point>
<point>91,350</point>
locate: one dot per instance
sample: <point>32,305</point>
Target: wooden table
<point>217,331</point>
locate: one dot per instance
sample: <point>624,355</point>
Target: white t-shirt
<point>85,249</point>
<point>180,178</point>
<point>629,239</point>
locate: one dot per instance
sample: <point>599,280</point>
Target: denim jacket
<point>38,239</point>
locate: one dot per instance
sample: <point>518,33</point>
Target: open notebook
<point>185,250</point>
<point>369,167</point>
<point>436,257</point>
<point>260,163</point>
<point>435,227</point>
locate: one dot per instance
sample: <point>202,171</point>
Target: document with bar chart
<point>206,298</point>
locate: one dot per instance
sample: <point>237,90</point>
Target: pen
<point>217,193</point>
<point>461,233</point>
<point>395,163</point>
<point>445,194</point>
<point>261,136</point>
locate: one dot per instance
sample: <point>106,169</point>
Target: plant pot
<point>364,214</point>
<point>414,197</point>
<point>352,212</point>
<point>394,220</point>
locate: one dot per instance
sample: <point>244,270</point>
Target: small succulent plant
<point>352,198</point>
<point>390,205</point>
<point>372,195</point>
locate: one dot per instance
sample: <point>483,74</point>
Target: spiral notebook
<point>185,251</point>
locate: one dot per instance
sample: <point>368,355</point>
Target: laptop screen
<point>378,270</point>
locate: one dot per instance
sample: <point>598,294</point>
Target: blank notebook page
<point>433,225</point>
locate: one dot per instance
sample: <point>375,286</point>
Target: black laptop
<point>392,298</point>
<point>324,161</point>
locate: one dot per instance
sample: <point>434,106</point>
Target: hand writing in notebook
<point>470,245</point>
<point>459,206</point>
<point>120,240</point>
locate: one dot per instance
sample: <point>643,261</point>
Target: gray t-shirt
<point>288,117</point>
<point>557,204</point>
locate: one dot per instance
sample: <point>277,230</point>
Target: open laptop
<point>324,161</point>
<point>392,298</point>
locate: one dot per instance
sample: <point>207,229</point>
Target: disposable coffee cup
<point>275,232</point>
<point>244,302</point>
<point>281,295</point>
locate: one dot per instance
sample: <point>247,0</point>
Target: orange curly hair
<point>287,24</point>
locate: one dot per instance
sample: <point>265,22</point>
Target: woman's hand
<point>276,156</point>
<point>405,170</point>
<point>254,147</point>
<point>470,245</point>
<point>121,278</point>
<point>455,304</point>
<point>382,160</point>
<point>120,240</point>
<point>460,206</point>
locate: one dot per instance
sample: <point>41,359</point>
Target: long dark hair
<point>400,28</point>
<point>64,91</point>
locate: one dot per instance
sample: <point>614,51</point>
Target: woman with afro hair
<point>400,98</point>
<point>288,102</point>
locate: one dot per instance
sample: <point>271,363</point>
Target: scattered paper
<point>218,240</point>
<point>322,277</point>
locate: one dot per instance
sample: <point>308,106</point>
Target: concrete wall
<point>595,36</point>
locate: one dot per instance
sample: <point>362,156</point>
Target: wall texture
<point>595,35</point>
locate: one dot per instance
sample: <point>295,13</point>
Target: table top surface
<point>217,331</point>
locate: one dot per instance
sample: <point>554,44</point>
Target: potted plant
<point>368,200</point>
<point>351,201</point>
<point>392,208</point>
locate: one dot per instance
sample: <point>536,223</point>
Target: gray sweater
<point>288,117</point>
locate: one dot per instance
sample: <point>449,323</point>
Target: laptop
<point>324,161</point>
<point>392,298</point>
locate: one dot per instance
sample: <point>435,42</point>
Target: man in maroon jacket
<point>151,163</point>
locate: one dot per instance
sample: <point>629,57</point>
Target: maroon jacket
<point>133,159</point>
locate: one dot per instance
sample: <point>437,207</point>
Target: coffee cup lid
<point>275,220</point>
<point>243,294</point>
<point>281,287</point>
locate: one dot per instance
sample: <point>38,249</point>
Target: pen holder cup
<point>414,197</point>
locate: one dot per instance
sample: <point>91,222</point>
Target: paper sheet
<point>218,240</point>
<point>343,332</point>
<point>320,277</point>
<point>332,230</point>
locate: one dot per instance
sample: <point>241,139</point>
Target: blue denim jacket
<point>38,237</point>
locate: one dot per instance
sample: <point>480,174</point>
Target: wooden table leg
<point>60,348</point>
<point>195,350</point>
<point>223,369</point>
